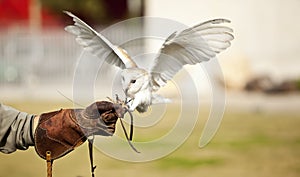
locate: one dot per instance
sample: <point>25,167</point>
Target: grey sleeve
<point>16,129</point>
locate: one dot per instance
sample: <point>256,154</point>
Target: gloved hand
<point>61,131</point>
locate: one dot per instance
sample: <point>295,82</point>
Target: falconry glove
<point>59,132</point>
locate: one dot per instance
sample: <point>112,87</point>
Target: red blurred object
<point>50,19</point>
<point>16,12</point>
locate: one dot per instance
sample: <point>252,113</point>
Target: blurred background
<point>259,135</point>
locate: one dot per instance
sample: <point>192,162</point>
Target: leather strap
<point>91,141</point>
<point>49,163</point>
<point>129,138</point>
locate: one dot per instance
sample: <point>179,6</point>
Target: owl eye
<point>132,81</point>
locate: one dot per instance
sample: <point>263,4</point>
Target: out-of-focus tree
<point>46,13</point>
<point>91,11</point>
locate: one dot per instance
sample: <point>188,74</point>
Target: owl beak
<point>126,91</point>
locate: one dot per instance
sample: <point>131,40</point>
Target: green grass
<point>187,162</point>
<point>247,144</point>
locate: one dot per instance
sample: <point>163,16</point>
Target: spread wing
<point>97,44</point>
<point>191,46</point>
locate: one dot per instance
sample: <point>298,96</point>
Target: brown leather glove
<point>61,131</point>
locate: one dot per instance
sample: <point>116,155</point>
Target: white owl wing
<point>190,46</point>
<point>97,44</point>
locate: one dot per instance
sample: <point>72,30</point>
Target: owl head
<point>134,80</point>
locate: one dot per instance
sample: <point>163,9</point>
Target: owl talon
<point>118,99</point>
<point>110,99</point>
<point>120,102</point>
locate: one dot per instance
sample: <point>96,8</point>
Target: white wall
<point>267,33</point>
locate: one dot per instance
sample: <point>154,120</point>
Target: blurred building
<point>266,33</point>
<point>36,52</point>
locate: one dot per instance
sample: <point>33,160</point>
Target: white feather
<point>191,46</point>
<point>97,44</point>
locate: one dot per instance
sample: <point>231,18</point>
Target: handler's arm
<point>16,129</point>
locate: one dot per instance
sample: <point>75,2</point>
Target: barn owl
<point>190,46</point>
